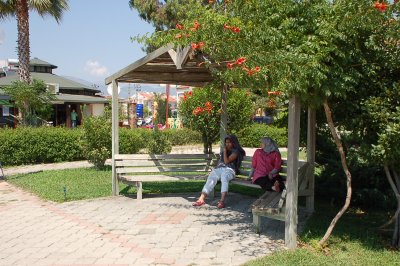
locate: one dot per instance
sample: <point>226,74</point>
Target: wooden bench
<point>272,204</point>
<point>133,169</point>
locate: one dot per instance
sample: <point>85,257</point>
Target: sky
<point>92,41</point>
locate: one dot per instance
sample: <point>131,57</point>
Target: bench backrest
<point>177,164</point>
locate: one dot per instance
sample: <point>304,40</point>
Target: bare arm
<point>231,158</point>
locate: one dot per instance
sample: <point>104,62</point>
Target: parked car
<point>264,119</point>
<point>148,120</point>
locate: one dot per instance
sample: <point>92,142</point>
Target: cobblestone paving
<point>123,231</point>
<point>158,230</point>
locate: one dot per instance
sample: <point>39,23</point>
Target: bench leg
<point>139,189</point>
<point>310,203</point>
<point>257,222</point>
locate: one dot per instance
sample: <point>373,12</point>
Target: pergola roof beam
<point>138,63</point>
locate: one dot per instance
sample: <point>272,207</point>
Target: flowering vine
<point>208,106</point>
<point>381,6</point>
<point>240,61</point>
<point>232,28</point>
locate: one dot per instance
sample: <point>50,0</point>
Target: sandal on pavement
<point>198,203</point>
<point>221,205</point>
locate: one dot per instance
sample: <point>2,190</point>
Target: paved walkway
<point>159,230</point>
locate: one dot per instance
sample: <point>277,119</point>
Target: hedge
<point>27,145</point>
<point>250,136</point>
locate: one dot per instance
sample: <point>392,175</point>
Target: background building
<point>70,95</point>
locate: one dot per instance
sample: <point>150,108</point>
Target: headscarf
<point>239,148</point>
<point>270,145</point>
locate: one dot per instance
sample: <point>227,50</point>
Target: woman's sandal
<point>198,203</point>
<point>220,205</point>
<point>277,187</point>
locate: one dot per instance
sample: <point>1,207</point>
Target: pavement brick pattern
<point>159,230</point>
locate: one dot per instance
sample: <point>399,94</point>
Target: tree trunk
<point>22,11</point>
<point>23,40</point>
<point>210,148</point>
<point>207,146</point>
<point>395,185</point>
<point>339,145</point>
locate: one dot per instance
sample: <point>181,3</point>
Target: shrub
<point>250,136</point>
<point>183,136</point>
<point>97,139</point>
<point>131,141</point>
<point>158,143</point>
<point>27,145</point>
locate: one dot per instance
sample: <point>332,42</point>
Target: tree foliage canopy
<point>32,99</point>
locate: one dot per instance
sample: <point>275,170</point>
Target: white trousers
<point>225,174</point>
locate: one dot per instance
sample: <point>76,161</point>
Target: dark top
<point>232,164</point>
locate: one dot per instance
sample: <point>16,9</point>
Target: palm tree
<point>20,10</point>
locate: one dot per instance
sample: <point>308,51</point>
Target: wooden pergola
<point>183,67</point>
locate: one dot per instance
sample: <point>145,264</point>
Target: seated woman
<point>228,165</point>
<point>266,165</point>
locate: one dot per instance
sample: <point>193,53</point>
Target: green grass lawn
<point>87,183</point>
<point>356,239</point>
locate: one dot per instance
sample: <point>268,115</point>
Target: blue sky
<point>91,42</point>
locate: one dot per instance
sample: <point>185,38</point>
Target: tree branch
<point>339,145</point>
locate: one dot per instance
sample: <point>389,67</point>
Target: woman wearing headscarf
<point>266,165</point>
<point>229,163</point>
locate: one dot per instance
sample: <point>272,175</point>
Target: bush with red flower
<point>201,111</point>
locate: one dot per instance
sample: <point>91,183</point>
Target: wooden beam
<point>174,82</point>
<point>138,63</point>
<point>115,135</point>
<point>182,56</point>
<point>172,54</point>
<point>171,76</point>
<point>224,116</point>
<point>311,140</point>
<point>292,173</point>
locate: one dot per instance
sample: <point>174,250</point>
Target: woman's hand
<point>270,175</point>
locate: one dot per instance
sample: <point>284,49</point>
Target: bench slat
<point>164,156</point>
<point>161,163</point>
<point>268,195</point>
<point>269,202</point>
<point>272,203</point>
<point>242,182</point>
<point>155,178</point>
<point>160,169</point>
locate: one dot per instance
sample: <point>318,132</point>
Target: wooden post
<point>292,173</point>
<point>56,114</point>
<point>167,90</point>
<point>115,135</point>
<point>224,116</point>
<point>68,122</point>
<point>311,136</point>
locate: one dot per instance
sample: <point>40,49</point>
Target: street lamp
<point>137,88</point>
